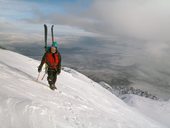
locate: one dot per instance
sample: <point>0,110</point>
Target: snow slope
<point>78,103</point>
<point>156,109</point>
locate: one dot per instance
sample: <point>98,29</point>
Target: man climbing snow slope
<point>52,59</point>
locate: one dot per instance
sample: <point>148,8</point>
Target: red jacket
<point>53,60</point>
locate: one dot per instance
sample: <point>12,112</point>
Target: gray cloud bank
<point>141,19</point>
<point>144,19</point>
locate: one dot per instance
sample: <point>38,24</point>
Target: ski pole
<point>38,76</point>
<point>43,76</point>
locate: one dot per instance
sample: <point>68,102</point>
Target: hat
<point>55,44</point>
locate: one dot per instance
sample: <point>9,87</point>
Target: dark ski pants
<point>52,76</point>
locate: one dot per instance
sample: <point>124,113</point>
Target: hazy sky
<point>22,20</point>
<point>144,19</point>
<point>148,20</point>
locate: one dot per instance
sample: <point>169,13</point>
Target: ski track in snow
<point>78,103</point>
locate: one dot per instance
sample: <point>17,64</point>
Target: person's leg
<point>51,78</point>
<point>55,77</point>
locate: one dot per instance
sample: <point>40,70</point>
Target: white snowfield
<point>157,110</point>
<point>78,103</point>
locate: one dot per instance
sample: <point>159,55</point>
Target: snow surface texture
<point>157,110</point>
<point>146,103</point>
<point>78,103</point>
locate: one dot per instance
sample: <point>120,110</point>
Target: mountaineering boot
<point>52,86</point>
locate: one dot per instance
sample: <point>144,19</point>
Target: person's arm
<point>59,65</point>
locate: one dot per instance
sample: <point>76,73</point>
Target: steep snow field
<point>78,103</point>
<point>156,109</point>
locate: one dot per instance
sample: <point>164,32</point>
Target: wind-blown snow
<point>78,103</point>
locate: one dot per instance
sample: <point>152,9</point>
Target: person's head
<point>53,49</point>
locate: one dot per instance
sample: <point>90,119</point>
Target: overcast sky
<point>148,20</point>
<point>144,19</point>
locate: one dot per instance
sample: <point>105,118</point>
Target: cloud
<point>22,21</point>
<point>146,20</point>
<point>142,19</point>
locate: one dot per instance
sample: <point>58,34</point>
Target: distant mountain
<point>123,90</point>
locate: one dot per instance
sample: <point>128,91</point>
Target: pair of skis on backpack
<point>46,34</point>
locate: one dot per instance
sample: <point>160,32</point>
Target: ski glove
<point>39,68</point>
